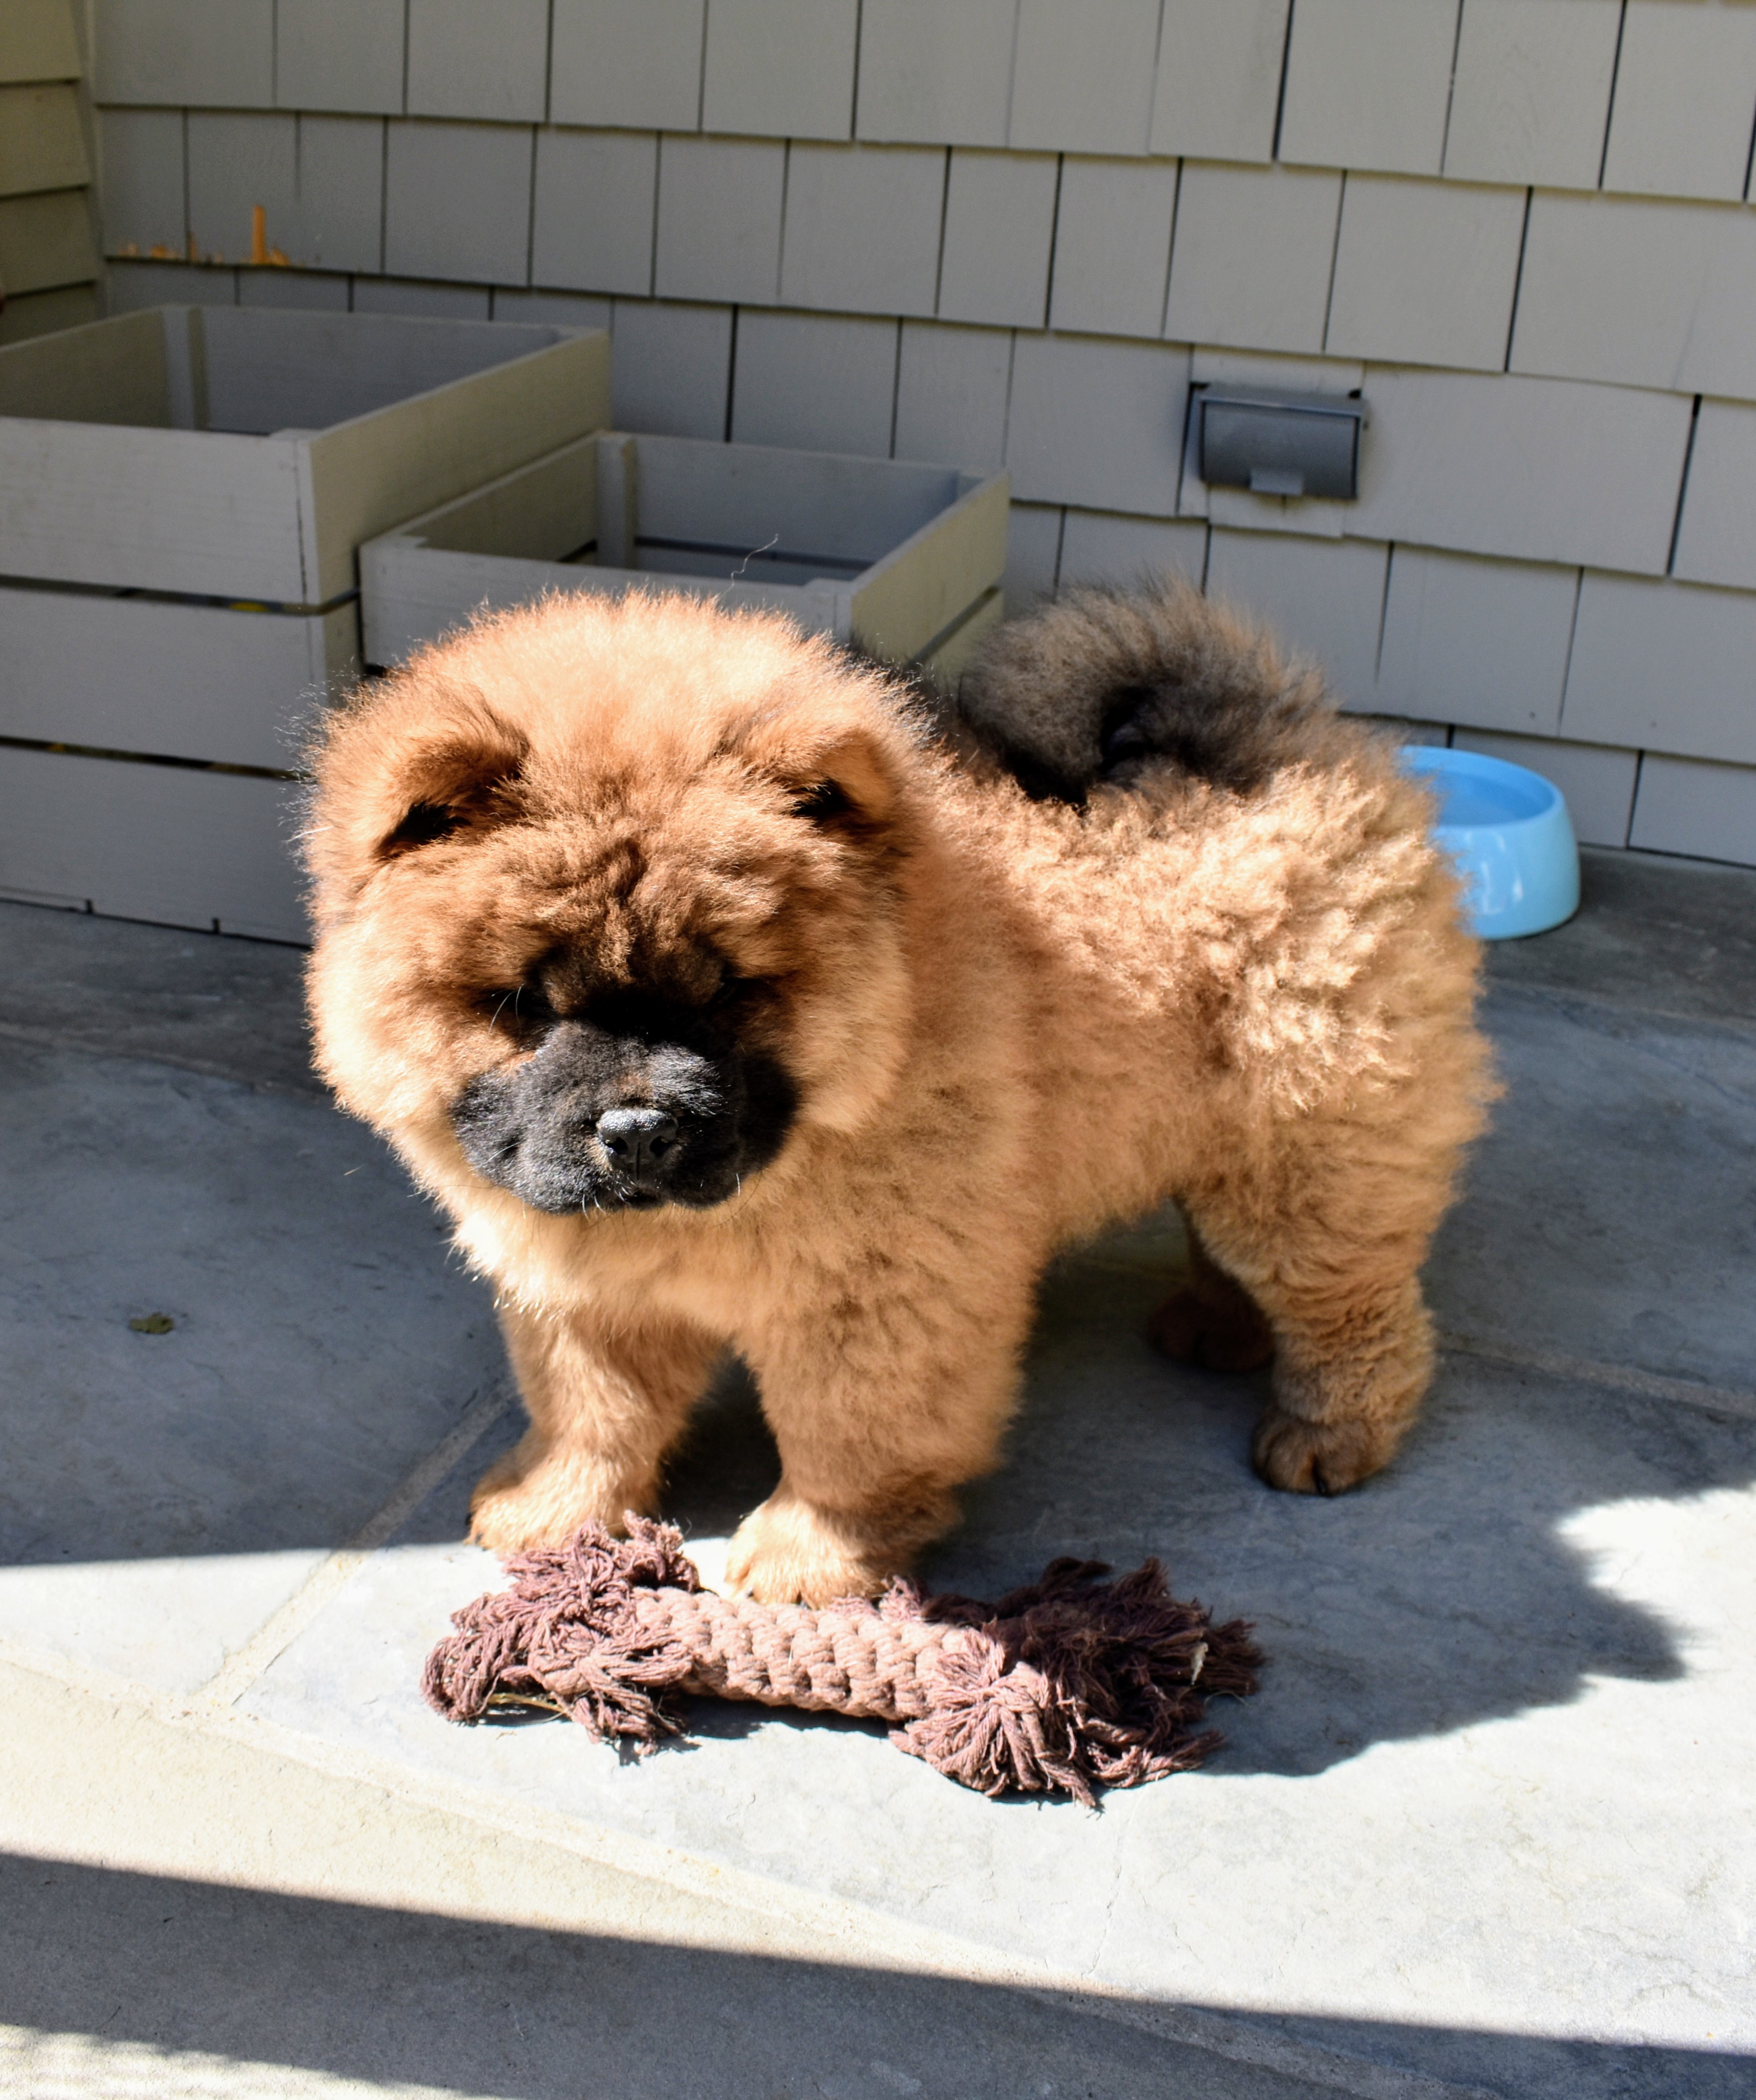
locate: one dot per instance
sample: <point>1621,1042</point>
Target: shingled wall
<point>1020,230</point>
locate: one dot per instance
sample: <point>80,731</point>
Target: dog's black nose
<point>641,1142</point>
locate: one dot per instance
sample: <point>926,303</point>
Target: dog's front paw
<point>1318,1458</point>
<point>534,1497</point>
<point>786,1552</point>
<point>1192,1327</point>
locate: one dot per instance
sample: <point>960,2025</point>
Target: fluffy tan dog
<point>721,1001</point>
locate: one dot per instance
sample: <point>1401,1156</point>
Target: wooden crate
<point>904,559</point>
<point>244,453</point>
<point>182,845</point>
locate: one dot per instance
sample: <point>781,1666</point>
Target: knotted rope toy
<point>1060,1688</point>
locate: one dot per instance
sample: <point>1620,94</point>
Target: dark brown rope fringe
<point>1069,1684</point>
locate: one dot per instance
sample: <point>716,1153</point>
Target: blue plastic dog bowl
<point>1508,831</point>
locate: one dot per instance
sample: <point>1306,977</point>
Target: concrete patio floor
<point>1490,1825</point>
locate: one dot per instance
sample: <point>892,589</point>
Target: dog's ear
<point>392,778</point>
<point>845,778</point>
<point>460,783</point>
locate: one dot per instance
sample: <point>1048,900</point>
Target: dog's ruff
<point>895,1030</point>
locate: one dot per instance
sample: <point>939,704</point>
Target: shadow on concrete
<point>179,1968</point>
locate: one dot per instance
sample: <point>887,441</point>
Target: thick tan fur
<point>1011,1022</point>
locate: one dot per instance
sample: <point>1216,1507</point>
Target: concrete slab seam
<point>243,1667</point>
<point>1584,1370</point>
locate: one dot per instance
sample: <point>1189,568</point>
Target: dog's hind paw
<point>1192,1328</point>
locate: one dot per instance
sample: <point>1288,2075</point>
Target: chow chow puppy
<point>723,999</point>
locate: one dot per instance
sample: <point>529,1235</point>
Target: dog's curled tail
<point>1102,685</point>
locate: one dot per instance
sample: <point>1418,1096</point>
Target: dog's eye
<point>518,1008</point>
<point>824,799</point>
<point>424,823</point>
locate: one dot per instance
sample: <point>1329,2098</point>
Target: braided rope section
<point>1060,1687</point>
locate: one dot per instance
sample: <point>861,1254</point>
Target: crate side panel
<point>166,843</point>
<point>372,474</point>
<point>411,595</point>
<point>935,73</point>
<point>154,676</point>
<point>545,512</point>
<point>312,371</point>
<point>627,62</point>
<point>816,504</point>
<point>919,591</point>
<point>1219,82</point>
<point>113,372</point>
<point>191,511</point>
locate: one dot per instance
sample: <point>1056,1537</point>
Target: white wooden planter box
<point>175,844</point>
<point>906,560</point>
<point>182,495</point>
<point>238,452</point>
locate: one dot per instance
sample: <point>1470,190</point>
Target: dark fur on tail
<point>1104,684</point>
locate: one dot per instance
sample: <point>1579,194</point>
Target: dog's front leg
<point>605,1402</point>
<point>881,1412</point>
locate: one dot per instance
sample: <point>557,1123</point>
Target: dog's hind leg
<point>1339,1283</point>
<point>1211,1319</point>
<point>606,1401</point>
